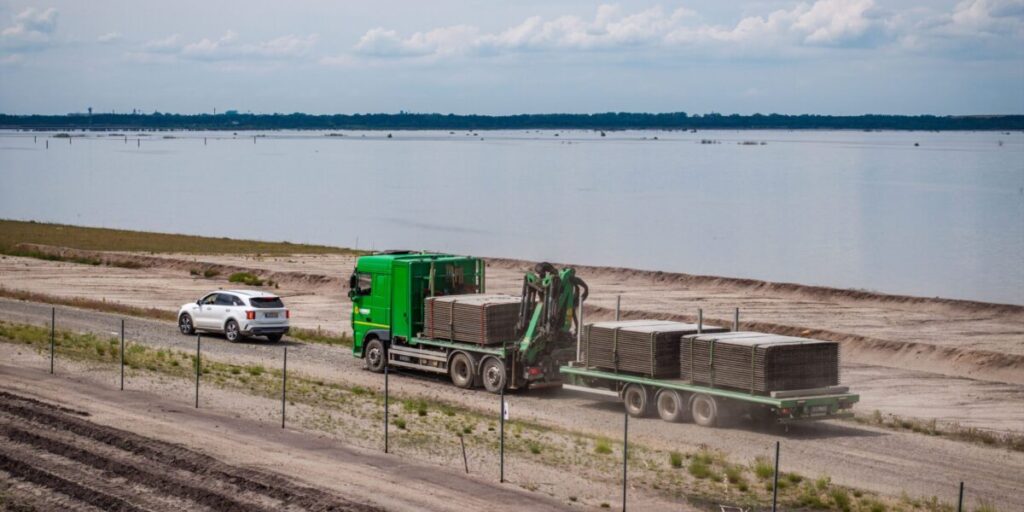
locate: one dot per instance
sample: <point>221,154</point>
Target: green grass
<point>841,499</point>
<point>602,446</point>
<point>700,466</point>
<point>400,423</point>
<point>245,278</point>
<point>13,232</point>
<point>763,468</point>
<point>675,459</point>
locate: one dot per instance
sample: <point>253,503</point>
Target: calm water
<point>846,209</point>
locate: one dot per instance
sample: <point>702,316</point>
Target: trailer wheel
<point>493,375</point>
<point>635,399</point>
<point>461,370</point>
<point>375,356</point>
<point>671,406</point>
<point>704,410</point>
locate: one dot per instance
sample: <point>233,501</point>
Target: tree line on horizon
<point>232,120</point>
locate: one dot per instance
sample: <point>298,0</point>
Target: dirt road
<point>950,361</point>
<point>887,462</point>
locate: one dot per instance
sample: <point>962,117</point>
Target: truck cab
<point>388,291</point>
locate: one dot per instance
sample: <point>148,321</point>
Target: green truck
<point>389,290</point>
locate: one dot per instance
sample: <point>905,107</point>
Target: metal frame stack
<point>484,319</point>
<point>642,347</point>
<point>758,362</point>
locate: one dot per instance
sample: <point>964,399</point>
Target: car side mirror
<point>199,302</point>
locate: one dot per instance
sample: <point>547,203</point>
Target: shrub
<point>734,474</point>
<point>794,477</point>
<point>841,499</point>
<point>193,272</point>
<point>245,278</point>
<point>534,447</point>
<point>602,446</point>
<point>400,423</point>
<point>210,273</point>
<point>763,468</point>
<point>699,468</point>
<point>675,459</point>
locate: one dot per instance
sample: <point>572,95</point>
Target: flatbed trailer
<point>678,400</point>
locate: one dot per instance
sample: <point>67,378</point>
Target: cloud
<point>33,28</point>
<point>227,47</point>
<point>109,37</point>
<point>821,24</point>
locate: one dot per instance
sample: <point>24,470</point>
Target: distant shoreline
<point>678,121</point>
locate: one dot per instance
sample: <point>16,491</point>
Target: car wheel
<point>375,356</point>
<point>461,371</point>
<point>493,375</point>
<point>635,400</point>
<point>185,324</point>
<point>231,331</point>
<point>704,410</point>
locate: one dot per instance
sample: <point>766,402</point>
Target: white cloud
<point>806,25</point>
<point>109,37</point>
<point>32,28</point>
<point>225,48</point>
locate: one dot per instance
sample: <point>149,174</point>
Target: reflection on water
<point>848,209</point>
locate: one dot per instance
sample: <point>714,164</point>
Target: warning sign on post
<point>504,412</point>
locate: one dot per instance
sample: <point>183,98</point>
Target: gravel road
<point>875,459</point>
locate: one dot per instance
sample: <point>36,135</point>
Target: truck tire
<point>493,375</point>
<point>634,397</point>
<point>375,356</point>
<point>704,409</point>
<point>461,371</point>
<point>671,406</point>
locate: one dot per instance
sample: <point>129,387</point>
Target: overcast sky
<point>494,57</point>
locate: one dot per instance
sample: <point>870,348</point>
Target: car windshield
<point>266,302</point>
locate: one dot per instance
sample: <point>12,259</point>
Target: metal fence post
<point>625,458</point>
<point>284,384</point>
<point>700,321</point>
<point>775,476</point>
<point>465,461</point>
<point>736,320</point>
<point>960,500</point>
<point>618,307</point>
<point>53,332</point>
<point>122,354</point>
<point>385,401</point>
<point>501,457</point>
<point>199,339</point>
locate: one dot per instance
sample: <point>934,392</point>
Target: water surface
<point>865,210</point>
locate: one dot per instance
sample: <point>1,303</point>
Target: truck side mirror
<point>352,281</point>
<point>352,294</point>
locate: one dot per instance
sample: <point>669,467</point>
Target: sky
<point>840,57</point>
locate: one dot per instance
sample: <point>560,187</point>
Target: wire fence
<point>277,366</point>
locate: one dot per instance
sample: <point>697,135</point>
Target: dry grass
<point>1008,440</point>
<point>14,232</point>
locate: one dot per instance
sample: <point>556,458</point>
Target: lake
<point>930,214</point>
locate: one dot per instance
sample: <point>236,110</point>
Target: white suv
<point>236,313</point>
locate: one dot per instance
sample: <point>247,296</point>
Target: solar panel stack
<point>641,347</point>
<point>484,319</point>
<point>757,362</point>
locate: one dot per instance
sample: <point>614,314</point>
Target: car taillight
<point>250,315</point>
<point>786,411</point>
<point>287,314</point>
<point>534,371</point>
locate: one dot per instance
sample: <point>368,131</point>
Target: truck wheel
<point>635,400</point>
<point>671,406</point>
<point>375,356</point>
<point>493,375</point>
<point>461,371</point>
<point>704,410</point>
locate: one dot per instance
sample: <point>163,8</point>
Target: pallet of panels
<point>758,362</point>
<point>640,347</point>
<point>484,319</point>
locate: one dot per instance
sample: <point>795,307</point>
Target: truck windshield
<point>266,302</point>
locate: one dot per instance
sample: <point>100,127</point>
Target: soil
<point>891,463</point>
